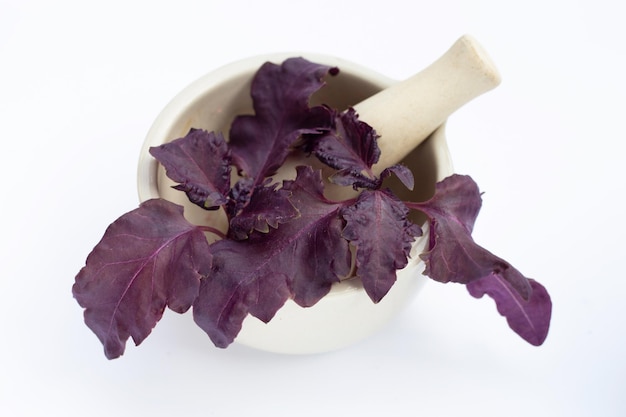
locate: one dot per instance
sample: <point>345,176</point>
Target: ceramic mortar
<point>346,315</point>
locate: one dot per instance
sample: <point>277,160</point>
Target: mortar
<point>346,315</point>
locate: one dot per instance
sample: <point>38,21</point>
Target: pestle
<point>409,111</point>
<point>406,113</point>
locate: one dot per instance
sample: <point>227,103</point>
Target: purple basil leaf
<point>404,174</point>
<point>300,259</point>
<point>355,179</point>
<point>377,225</point>
<point>528,318</point>
<point>239,196</point>
<point>319,255</point>
<point>280,94</point>
<point>350,146</point>
<point>239,285</point>
<point>200,164</point>
<point>148,259</point>
<point>268,207</point>
<point>453,255</point>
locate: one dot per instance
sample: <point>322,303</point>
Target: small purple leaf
<point>350,146</point>
<point>452,254</point>
<point>404,174</point>
<point>200,164</point>
<point>268,207</point>
<point>355,179</point>
<point>280,94</point>
<point>239,196</point>
<point>530,318</point>
<point>377,225</point>
<point>148,259</point>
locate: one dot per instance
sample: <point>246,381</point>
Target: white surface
<point>80,85</point>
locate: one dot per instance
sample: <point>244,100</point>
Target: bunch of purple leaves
<point>285,240</point>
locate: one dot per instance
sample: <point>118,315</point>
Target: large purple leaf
<point>300,259</point>
<point>200,163</point>
<point>351,147</point>
<point>241,283</point>
<point>280,94</point>
<point>315,250</point>
<point>452,254</point>
<point>148,259</point>
<point>528,318</point>
<point>377,225</point>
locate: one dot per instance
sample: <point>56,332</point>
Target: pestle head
<point>409,111</point>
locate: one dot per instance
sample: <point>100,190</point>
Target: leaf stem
<point>213,230</point>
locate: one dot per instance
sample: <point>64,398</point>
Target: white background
<point>81,83</point>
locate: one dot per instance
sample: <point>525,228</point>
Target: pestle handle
<point>410,110</point>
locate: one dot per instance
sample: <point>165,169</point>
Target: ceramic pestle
<point>409,111</point>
